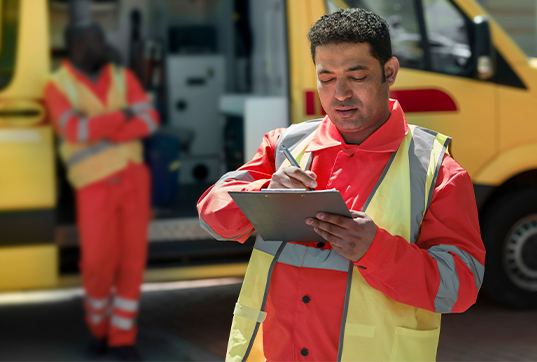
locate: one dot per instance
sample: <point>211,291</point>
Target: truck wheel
<point>509,231</point>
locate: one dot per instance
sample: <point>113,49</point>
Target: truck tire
<point>509,230</point>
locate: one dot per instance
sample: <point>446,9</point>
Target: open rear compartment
<point>217,71</point>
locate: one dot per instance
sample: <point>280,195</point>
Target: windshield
<point>9,18</point>
<point>447,32</point>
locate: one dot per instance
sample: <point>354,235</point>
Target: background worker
<point>100,113</point>
<point>375,289</point>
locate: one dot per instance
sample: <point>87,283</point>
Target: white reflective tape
<point>97,318</point>
<point>128,305</point>
<point>250,313</point>
<point>148,120</point>
<point>97,303</point>
<point>122,323</point>
<point>83,131</point>
<point>64,118</point>
<point>142,106</point>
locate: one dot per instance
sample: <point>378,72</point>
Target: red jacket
<point>113,126</point>
<point>402,271</point>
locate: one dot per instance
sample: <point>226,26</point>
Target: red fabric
<point>402,271</point>
<point>113,216</point>
<point>114,125</point>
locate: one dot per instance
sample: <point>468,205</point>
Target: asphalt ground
<point>189,321</point>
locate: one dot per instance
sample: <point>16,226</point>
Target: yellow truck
<point>249,63</point>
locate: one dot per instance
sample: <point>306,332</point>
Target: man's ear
<point>391,68</point>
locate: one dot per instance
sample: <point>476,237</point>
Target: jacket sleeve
<point>218,213</point>
<point>73,126</point>
<point>145,120</point>
<point>443,271</point>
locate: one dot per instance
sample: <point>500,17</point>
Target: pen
<point>292,160</point>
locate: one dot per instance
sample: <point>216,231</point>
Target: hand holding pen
<point>292,177</point>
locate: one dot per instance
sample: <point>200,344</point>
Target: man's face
<point>352,88</point>
<point>96,50</point>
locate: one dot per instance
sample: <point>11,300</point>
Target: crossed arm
<point>139,120</point>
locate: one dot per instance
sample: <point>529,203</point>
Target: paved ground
<point>183,323</point>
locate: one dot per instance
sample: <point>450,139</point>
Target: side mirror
<point>482,48</point>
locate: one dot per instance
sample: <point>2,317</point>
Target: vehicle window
<point>9,18</point>
<point>448,37</point>
<point>402,18</point>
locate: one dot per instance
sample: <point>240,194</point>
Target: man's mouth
<point>346,112</point>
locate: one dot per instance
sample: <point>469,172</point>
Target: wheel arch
<point>487,195</point>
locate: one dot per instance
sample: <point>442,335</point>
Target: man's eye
<point>326,81</point>
<point>358,79</point>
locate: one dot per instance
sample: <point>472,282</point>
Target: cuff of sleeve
<point>257,185</point>
<point>377,253</point>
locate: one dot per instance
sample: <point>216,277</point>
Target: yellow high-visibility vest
<point>374,327</point>
<point>90,162</point>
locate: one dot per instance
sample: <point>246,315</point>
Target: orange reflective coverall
<point>112,212</point>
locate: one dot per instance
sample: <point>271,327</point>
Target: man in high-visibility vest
<point>375,289</point>
<point>100,113</point>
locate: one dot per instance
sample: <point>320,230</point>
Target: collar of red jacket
<point>385,139</point>
<point>83,77</point>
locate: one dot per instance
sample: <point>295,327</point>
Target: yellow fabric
<point>251,295</point>
<point>390,209</point>
<point>84,101</point>
<point>377,327</point>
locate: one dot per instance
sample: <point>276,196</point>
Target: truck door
<point>436,85</point>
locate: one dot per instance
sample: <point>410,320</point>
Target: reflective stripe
<point>292,138</point>
<point>70,88</point>
<point>88,152</point>
<point>97,318</point>
<point>448,290</point>
<point>122,323</point>
<point>149,121</point>
<point>125,304</point>
<point>250,313</point>
<point>419,155</point>
<point>97,303</point>
<point>437,170</point>
<point>83,129</point>
<point>237,176</point>
<point>345,310</point>
<point>142,106</point>
<point>233,175</point>
<point>208,228</point>
<point>64,118</point>
<point>119,79</point>
<point>304,256</point>
<point>470,261</point>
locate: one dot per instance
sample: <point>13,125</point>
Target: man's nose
<point>343,91</point>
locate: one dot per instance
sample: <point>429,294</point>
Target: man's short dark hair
<point>354,25</point>
<point>76,33</point>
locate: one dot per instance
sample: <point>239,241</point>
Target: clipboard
<point>280,214</point>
